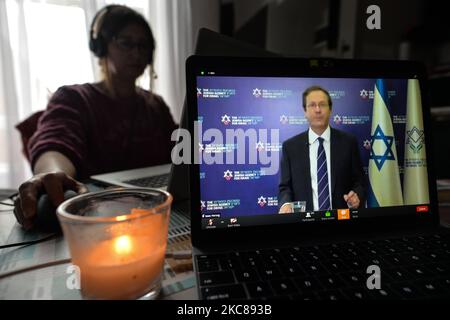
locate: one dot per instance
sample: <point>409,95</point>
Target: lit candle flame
<point>123,245</point>
<point>121,218</point>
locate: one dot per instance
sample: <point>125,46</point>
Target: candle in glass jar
<point>125,267</point>
<point>118,238</point>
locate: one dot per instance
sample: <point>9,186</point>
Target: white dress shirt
<point>313,147</point>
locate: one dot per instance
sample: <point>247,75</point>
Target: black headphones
<point>97,42</point>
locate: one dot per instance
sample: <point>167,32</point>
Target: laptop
<point>241,111</point>
<point>151,177</point>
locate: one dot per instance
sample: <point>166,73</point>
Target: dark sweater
<point>100,134</point>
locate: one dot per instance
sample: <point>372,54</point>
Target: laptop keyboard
<point>150,182</point>
<point>411,268</point>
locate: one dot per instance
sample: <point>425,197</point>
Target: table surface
<point>51,282</point>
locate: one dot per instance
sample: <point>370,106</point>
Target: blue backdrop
<point>276,103</point>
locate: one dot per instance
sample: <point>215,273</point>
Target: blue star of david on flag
<point>388,154</point>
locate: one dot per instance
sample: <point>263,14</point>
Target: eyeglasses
<point>126,45</point>
<point>321,105</point>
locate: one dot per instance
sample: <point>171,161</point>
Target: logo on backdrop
<point>364,94</point>
<point>369,94</point>
<point>228,175</point>
<point>337,119</point>
<point>336,94</point>
<point>415,139</point>
<point>226,119</point>
<point>257,93</point>
<point>284,119</point>
<point>260,146</point>
<point>262,201</point>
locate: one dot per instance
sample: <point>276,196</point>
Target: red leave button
<point>422,209</point>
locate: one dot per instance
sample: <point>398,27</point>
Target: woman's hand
<point>52,183</point>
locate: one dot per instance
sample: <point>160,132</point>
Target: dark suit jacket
<point>346,170</point>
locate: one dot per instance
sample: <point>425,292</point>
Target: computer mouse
<point>46,219</point>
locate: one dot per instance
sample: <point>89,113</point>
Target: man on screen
<point>321,167</point>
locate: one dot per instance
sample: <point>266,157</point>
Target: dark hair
<point>107,24</point>
<point>316,88</point>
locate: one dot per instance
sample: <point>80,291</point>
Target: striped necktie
<point>322,178</point>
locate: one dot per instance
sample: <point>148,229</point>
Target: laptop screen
<point>294,149</point>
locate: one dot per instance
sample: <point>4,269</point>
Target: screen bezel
<point>299,67</point>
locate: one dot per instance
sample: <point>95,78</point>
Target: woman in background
<point>100,127</point>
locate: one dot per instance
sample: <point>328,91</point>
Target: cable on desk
<point>6,204</point>
<point>12,198</point>
<point>174,254</point>
<point>7,210</point>
<point>24,243</point>
<point>34,267</point>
